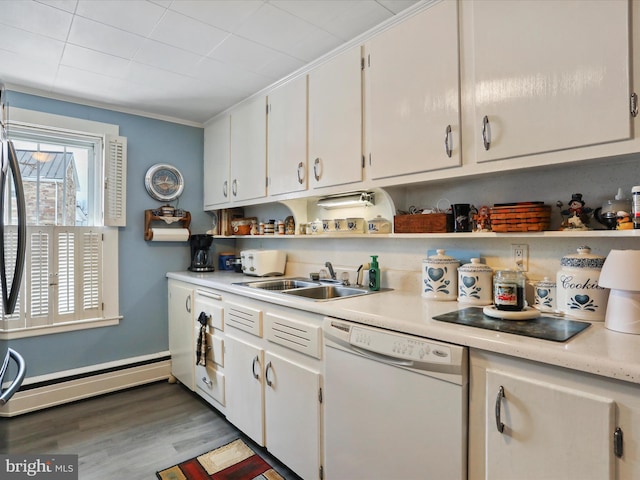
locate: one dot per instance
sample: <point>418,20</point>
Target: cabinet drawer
<point>294,334</point>
<point>244,318</point>
<point>216,350</point>
<point>211,382</point>
<point>211,305</point>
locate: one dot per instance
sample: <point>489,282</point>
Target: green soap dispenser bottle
<point>374,274</point>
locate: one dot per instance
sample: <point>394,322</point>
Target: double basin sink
<point>320,290</point>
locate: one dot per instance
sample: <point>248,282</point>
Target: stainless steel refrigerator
<point>13,231</point>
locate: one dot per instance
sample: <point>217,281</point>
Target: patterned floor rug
<point>233,461</point>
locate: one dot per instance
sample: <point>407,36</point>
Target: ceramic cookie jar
<point>578,293</point>
<point>440,277</point>
<point>475,283</point>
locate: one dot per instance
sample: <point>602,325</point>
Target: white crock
<point>545,295</point>
<point>475,283</point>
<point>440,277</point>
<point>578,292</point>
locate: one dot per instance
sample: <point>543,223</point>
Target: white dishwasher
<point>395,405</point>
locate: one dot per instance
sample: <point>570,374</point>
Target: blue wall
<point>143,286</point>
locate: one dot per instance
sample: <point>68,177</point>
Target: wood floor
<point>127,435</point>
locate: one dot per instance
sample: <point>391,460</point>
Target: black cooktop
<point>546,328</point>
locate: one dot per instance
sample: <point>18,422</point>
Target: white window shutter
<point>115,184</point>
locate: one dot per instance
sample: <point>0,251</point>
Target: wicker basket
<point>521,217</point>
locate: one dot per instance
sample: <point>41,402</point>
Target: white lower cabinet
<point>181,340</point>
<point>273,381</point>
<point>245,395</point>
<point>533,421</point>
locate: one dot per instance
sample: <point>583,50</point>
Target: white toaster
<point>263,263</point>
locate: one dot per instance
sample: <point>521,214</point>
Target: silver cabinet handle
<point>300,173</point>
<point>225,188</point>
<point>499,397</point>
<point>207,382</point>
<point>486,133</point>
<point>317,169</point>
<point>234,187</point>
<point>187,304</point>
<point>634,105</point>
<point>447,141</point>
<point>253,368</point>
<point>266,374</point>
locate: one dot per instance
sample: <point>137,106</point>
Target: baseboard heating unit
<point>37,393</point>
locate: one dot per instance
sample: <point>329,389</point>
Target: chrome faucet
<point>332,273</point>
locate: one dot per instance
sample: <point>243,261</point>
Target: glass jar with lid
<point>508,290</point>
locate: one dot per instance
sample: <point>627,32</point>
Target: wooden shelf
<point>470,235</point>
<point>150,217</point>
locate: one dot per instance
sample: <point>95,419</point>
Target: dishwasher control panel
<point>399,346</point>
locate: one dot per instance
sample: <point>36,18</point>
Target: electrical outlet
<point>520,256</point>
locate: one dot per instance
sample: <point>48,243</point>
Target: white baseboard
<point>88,386</point>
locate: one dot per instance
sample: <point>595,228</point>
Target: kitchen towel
<point>201,348</point>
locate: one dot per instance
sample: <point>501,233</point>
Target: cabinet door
<point>549,431</point>
<point>549,75</point>
<point>249,150</point>
<point>244,380</point>
<point>414,94</point>
<point>292,411</point>
<point>181,339</point>
<point>335,121</point>
<point>287,137</point>
<point>216,163</point>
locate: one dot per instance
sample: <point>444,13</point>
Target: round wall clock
<point>164,182</point>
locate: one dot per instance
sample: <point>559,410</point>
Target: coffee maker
<point>200,257</point>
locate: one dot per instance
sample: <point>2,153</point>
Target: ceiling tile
<point>97,62</point>
<point>224,14</point>
<point>396,6</point>
<point>243,53</point>
<point>104,38</point>
<point>66,5</point>
<point>314,45</point>
<point>314,12</point>
<point>281,67</point>
<point>361,17</point>
<point>20,70</point>
<point>30,45</point>
<point>36,18</point>
<point>135,16</point>
<point>167,57</point>
<point>275,28</point>
<point>186,33</point>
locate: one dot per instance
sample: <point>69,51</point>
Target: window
<point>74,184</point>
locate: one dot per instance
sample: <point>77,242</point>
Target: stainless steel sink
<point>279,284</point>
<point>301,287</point>
<point>327,292</point>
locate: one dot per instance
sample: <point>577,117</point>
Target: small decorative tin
<point>475,281</point>
<point>439,277</point>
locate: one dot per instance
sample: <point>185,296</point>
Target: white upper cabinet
<point>287,137</point>
<point>335,121</point>
<point>249,151</point>
<point>547,76</point>
<point>413,97</point>
<point>217,136</point>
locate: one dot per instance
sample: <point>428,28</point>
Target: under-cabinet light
<point>357,199</point>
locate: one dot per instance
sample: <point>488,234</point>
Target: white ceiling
<point>184,59</point>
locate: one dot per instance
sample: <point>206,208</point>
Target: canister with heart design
<point>475,283</point>
<point>578,293</point>
<point>545,295</point>
<point>440,277</point>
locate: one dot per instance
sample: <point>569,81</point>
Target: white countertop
<point>595,350</point>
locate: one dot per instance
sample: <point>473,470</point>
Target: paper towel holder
<point>151,215</point>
